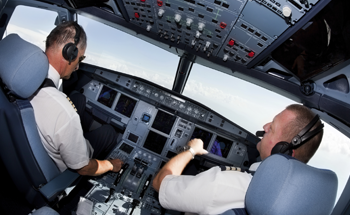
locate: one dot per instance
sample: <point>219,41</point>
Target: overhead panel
<point>236,30</point>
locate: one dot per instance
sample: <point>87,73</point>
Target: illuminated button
<point>137,15</point>
<point>231,42</point>
<point>251,54</point>
<point>223,25</point>
<point>159,3</point>
<point>143,0</point>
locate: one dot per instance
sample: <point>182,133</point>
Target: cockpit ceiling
<point>243,32</point>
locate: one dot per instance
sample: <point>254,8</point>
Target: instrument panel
<point>156,124</point>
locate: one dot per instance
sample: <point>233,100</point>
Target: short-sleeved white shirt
<point>59,127</point>
<point>211,192</point>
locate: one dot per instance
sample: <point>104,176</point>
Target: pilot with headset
<point>59,121</point>
<point>295,131</point>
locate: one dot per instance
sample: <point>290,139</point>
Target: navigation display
<point>155,142</point>
<point>125,105</point>
<point>163,122</point>
<point>221,147</point>
<point>107,96</point>
<point>204,135</point>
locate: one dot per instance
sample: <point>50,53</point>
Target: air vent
<point>339,83</point>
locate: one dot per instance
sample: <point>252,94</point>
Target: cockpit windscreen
<point>204,135</point>
<point>155,142</point>
<point>125,105</point>
<point>107,96</point>
<point>221,147</point>
<point>163,122</point>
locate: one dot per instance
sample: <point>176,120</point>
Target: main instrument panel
<point>156,124</point>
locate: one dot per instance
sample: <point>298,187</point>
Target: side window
<point>31,24</point>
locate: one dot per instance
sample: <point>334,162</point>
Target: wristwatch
<point>188,148</point>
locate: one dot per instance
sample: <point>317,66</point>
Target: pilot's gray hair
<point>64,33</point>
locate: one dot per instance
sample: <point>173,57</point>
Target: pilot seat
<point>23,68</point>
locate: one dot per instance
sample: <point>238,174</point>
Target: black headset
<point>301,138</point>
<point>70,50</point>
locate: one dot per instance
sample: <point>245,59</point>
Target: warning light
<point>251,54</point>
<point>143,0</point>
<point>223,25</point>
<point>137,15</point>
<point>160,3</point>
<point>231,42</point>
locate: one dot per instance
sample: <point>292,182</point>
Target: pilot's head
<point>287,125</point>
<point>65,48</point>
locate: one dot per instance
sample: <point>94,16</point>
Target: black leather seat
<point>23,68</point>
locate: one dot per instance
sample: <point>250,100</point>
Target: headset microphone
<point>260,133</point>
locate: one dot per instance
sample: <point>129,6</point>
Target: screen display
<point>204,135</point>
<point>146,118</point>
<point>107,96</point>
<point>132,137</point>
<point>155,142</point>
<point>163,122</point>
<point>125,105</point>
<point>221,147</point>
<point>126,148</point>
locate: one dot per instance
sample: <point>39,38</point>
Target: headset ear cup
<point>282,147</point>
<point>70,52</point>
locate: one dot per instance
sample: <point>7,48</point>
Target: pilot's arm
<point>210,192</point>
<point>177,164</point>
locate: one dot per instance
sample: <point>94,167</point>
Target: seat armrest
<point>59,184</point>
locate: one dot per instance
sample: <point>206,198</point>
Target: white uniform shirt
<point>59,127</point>
<point>210,192</point>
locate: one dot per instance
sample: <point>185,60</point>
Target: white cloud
<point>36,37</point>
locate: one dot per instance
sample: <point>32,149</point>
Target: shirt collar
<point>53,75</point>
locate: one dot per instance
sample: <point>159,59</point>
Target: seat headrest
<point>23,66</point>
<point>284,185</point>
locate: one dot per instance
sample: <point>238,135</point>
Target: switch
<point>161,12</point>
<point>159,3</point>
<point>287,12</point>
<point>177,18</point>
<point>198,34</point>
<point>223,25</point>
<point>207,44</point>
<point>231,42</point>
<point>251,54</point>
<point>189,22</point>
<point>137,15</point>
<point>148,28</point>
<point>225,57</point>
<point>201,26</point>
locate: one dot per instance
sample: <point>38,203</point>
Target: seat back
<point>23,68</point>
<point>284,185</point>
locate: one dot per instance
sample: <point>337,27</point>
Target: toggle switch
<point>161,12</point>
<point>177,18</point>
<point>201,26</point>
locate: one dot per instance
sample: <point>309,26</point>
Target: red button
<point>160,3</point>
<point>231,42</point>
<point>223,25</point>
<point>137,15</point>
<point>251,54</point>
<point>143,0</point>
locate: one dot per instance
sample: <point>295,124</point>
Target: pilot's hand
<point>197,146</point>
<point>117,164</point>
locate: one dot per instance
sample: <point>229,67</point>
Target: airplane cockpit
<point>299,49</point>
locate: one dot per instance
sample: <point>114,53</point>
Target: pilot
<point>215,191</point>
<point>58,122</point>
